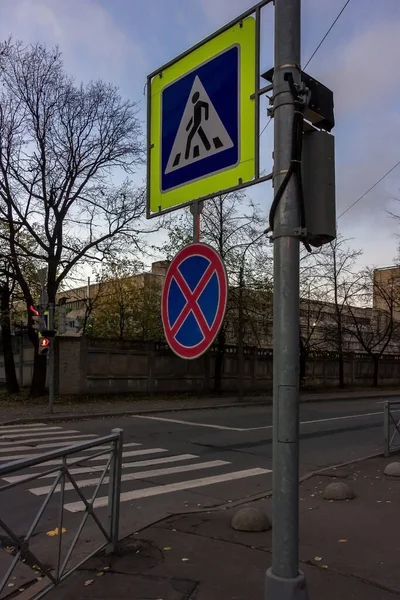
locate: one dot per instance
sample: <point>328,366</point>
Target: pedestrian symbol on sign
<point>201,132</point>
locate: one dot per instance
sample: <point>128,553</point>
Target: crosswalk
<point>140,465</point>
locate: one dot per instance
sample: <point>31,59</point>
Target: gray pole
<point>196,209</point>
<point>51,359</point>
<point>241,334</point>
<point>284,581</point>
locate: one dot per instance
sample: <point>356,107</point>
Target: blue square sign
<point>200,121</point>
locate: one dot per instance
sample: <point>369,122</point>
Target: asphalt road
<point>174,462</point>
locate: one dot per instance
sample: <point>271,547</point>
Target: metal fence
<point>62,473</point>
<point>391,426</point>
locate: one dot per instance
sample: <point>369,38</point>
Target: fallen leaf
<point>185,559</point>
<point>318,558</point>
<point>100,574</point>
<point>21,589</point>
<point>324,566</point>
<point>167,548</point>
<point>55,532</point>
<point>106,569</point>
<point>342,541</point>
<point>11,584</point>
<point>89,582</point>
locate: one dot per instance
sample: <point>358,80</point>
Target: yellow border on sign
<point>244,35</point>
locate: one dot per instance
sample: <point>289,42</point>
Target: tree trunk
<point>9,364</point>
<point>303,362</point>
<point>219,361</point>
<point>38,383</point>
<point>375,358</point>
<point>341,369</point>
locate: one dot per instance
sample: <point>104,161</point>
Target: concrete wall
<point>107,367</point>
<point>102,366</point>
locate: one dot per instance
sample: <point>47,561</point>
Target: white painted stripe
<point>208,425</point>
<point>42,491</point>
<point>73,439</point>
<point>240,429</point>
<point>60,445</point>
<point>27,443</point>
<point>27,426</point>
<point>32,429</point>
<point>72,457</point>
<point>171,487</point>
<point>132,465</point>
<point>43,433</point>
<point>374,414</point>
<point>105,457</point>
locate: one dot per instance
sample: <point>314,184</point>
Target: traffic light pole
<point>51,359</point>
<point>284,581</point>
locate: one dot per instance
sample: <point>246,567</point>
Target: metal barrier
<point>388,422</point>
<point>62,473</point>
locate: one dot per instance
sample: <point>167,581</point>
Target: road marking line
<point>27,426</point>
<point>171,487</point>
<point>39,435</point>
<point>25,443</point>
<point>93,469</point>
<point>72,439</point>
<point>374,414</point>
<point>42,491</point>
<point>124,454</point>
<point>61,445</point>
<point>83,458</point>
<point>223,427</point>
<point>240,429</point>
<point>32,430</point>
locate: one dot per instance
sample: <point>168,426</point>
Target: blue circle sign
<point>194,300</point>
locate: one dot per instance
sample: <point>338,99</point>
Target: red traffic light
<point>44,345</point>
<point>34,311</point>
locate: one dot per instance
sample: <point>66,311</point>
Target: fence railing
<point>62,473</point>
<point>391,426</point>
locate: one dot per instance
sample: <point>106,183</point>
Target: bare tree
<point>60,144</point>
<point>378,326</point>
<point>335,275</point>
<point>7,286</point>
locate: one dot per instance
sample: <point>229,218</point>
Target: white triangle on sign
<point>201,132</point>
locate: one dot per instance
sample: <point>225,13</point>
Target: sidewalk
<point>74,409</point>
<point>348,550</point>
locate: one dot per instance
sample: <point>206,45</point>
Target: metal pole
<point>21,361</point>
<point>386,428</point>
<point>196,210</point>
<point>51,359</point>
<point>284,581</point>
<point>115,490</point>
<point>241,334</point>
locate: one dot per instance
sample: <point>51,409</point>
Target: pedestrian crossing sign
<point>201,127</point>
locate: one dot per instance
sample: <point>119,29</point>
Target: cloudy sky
<point>123,40</point>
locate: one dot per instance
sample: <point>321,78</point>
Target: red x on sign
<point>194,300</point>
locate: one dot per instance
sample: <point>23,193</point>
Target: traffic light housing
<point>36,318</point>
<point>44,345</point>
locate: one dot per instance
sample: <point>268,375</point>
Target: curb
<point>109,415</point>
